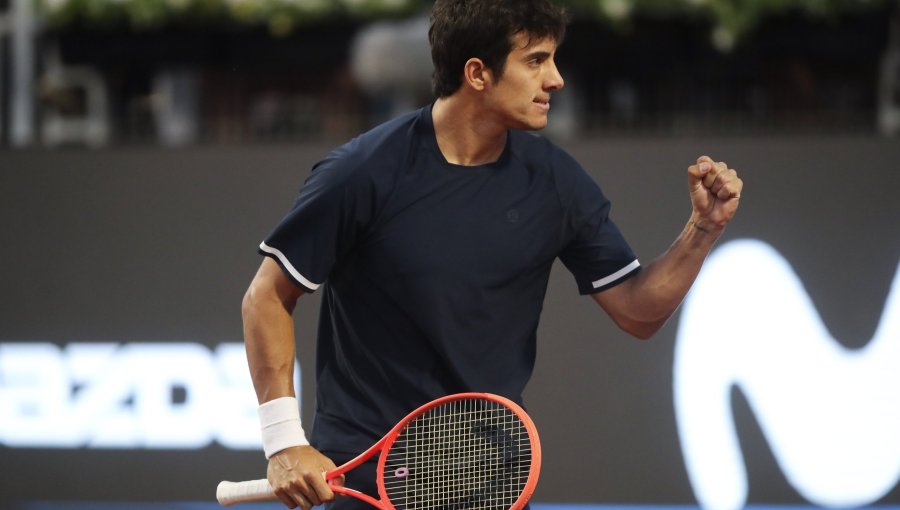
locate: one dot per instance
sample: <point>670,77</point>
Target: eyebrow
<point>537,54</point>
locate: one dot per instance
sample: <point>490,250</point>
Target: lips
<point>543,103</point>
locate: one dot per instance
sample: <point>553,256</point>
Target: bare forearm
<point>661,286</point>
<point>269,335</point>
<point>643,304</point>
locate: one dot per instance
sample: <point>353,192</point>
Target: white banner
<point>127,396</point>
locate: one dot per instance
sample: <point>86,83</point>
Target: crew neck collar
<point>427,124</point>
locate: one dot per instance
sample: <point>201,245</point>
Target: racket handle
<point>229,493</point>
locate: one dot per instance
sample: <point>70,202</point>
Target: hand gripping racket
<point>466,451</point>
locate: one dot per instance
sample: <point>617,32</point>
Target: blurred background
<point>148,146</point>
<point>102,73</point>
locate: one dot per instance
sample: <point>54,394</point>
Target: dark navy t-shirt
<point>434,274</point>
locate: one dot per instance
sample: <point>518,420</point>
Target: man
<point>432,237</point>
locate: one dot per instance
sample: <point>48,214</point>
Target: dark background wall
<point>144,245</point>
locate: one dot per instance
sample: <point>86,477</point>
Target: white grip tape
<point>279,420</point>
<point>229,493</point>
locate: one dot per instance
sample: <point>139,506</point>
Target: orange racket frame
<point>229,493</point>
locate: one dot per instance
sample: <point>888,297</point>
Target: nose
<point>554,79</point>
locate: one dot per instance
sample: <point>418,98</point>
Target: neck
<point>464,135</point>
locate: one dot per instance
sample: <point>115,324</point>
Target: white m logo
<point>831,415</point>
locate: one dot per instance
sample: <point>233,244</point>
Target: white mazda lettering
<point>139,395</point>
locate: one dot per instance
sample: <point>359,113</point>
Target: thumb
<point>697,172</point>
<point>331,474</point>
<point>334,480</point>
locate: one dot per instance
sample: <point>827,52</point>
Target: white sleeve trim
<point>617,275</point>
<point>287,265</point>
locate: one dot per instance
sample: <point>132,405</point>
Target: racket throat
<point>344,491</point>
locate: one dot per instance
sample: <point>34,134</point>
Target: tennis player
<point>432,237</point>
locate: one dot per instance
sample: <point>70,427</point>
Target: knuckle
<point>285,498</point>
<point>297,485</point>
<point>300,501</point>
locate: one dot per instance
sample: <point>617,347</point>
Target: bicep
<point>270,285</point>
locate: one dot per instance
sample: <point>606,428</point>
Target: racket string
<point>465,454</point>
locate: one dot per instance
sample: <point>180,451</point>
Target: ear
<point>476,75</point>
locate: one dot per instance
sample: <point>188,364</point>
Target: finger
<point>285,498</point>
<point>735,188</point>
<point>329,467</point>
<point>709,179</point>
<point>317,489</point>
<point>301,491</point>
<point>300,500</point>
<point>336,481</point>
<point>728,187</point>
<point>696,173</point>
<point>724,179</point>
<point>320,487</point>
<point>724,194</point>
<point>705,159</point>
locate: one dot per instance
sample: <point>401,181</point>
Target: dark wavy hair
<point>484,29</point>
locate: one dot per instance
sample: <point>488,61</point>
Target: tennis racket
<point>473,451</point>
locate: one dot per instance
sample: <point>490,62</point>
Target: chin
<point>537,125</point>
<point>529,122</point>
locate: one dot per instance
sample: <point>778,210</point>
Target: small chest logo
<point>512,216</point>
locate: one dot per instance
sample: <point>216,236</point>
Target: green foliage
<point>281,16</point>
<point>731,19</point>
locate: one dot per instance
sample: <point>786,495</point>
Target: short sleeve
<point>596,253</point>
<point>332,210</point>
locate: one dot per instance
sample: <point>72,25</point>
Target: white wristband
<point>279,421</point>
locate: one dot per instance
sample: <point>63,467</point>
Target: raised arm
<point>295,472</point>
<point>641,305</point>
